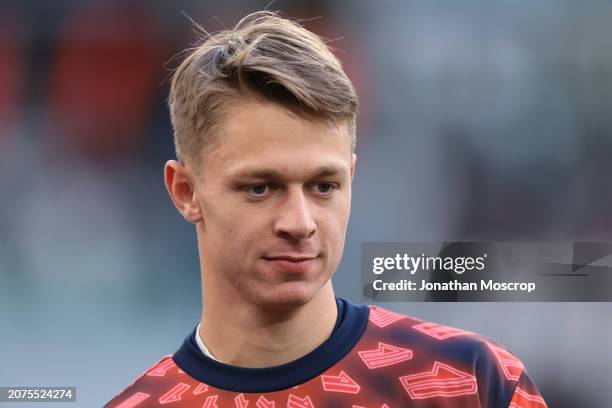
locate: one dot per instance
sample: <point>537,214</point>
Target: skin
<point>271,210</point>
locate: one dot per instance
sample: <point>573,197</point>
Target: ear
<point>353,163</point>
<point>180,184</point>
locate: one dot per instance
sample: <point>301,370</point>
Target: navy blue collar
<point>350,325</point>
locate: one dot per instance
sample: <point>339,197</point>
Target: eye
<point>258,190</point>
<point>324,188</point>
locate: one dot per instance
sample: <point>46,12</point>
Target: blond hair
<point>266,57</point>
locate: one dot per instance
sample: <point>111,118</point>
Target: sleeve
<point>142,388</point>
<point>526,394</point>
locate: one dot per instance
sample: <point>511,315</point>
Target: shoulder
<point>446,360</point>
<point>162,383</point>
<point>442,341</point>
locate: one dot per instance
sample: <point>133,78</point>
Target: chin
<point>289,296</point>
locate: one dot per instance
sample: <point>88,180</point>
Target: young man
<point>264,125</point>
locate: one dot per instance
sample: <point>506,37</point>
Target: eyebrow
<point>271,174</point>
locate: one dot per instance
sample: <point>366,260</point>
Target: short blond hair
<point>266,57</point>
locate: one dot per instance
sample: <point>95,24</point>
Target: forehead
<point>255,135</point>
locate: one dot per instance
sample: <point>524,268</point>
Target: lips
<point>293,264</point>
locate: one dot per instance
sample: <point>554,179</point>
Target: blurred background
<point>480,120</point>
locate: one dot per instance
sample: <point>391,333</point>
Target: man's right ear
<point>180,184</point>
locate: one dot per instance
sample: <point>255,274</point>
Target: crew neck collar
<point>350,325</point>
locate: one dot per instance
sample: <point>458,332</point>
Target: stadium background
<point>480,120</point>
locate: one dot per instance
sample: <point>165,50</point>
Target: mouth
<point>291,264</point>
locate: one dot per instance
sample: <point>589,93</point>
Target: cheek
<point>334,229</point>
<point>342,215</point>
<point>220,229</point>
<point>239,235</point>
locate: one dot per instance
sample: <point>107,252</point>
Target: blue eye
<point>324,188</point>
<point>259,189</point>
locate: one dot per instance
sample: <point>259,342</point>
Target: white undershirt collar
<point>201,344</point>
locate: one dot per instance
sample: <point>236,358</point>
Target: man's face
<point>275,198</point>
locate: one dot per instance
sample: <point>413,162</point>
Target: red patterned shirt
<point>374,358</point>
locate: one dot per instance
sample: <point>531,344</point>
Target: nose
<point>295,219</point>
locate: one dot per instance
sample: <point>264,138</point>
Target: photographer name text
<point>455,285</point>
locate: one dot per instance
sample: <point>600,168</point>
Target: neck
<point>256,337</point>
